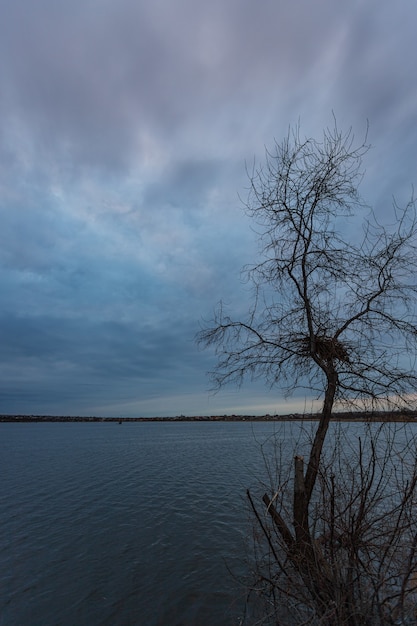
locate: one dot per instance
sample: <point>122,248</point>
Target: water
<point>132,524</point>
<point>141,524</point>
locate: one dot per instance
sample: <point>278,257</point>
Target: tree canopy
<point>330,301</point>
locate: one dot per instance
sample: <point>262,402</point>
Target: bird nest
<point>326,348</point>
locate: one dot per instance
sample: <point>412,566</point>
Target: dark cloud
<point>124,131</point>
<point>57,355</point>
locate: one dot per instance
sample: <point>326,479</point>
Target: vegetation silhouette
<point>333,312</point>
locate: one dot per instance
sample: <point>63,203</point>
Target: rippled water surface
<point>132,524</point>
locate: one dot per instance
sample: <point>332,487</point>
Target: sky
<point>125,130</point>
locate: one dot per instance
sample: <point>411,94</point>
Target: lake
<point>141,524</point>
<point>132,524</point>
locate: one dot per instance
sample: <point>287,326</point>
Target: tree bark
<point>314,460</point>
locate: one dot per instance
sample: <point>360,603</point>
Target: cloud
<point>124,131</point>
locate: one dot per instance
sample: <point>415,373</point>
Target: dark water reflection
<point>133,524</point>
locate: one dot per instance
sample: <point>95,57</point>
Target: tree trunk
<point>320,436</point>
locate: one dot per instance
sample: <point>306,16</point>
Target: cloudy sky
<point>125,126</point>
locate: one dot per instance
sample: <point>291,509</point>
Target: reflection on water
<point>139,524</point>
<point>102,524</point>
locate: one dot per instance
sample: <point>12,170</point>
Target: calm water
<point>132,524</point>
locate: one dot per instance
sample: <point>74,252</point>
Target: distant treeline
<point>358,416</point>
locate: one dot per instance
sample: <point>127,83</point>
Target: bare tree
<point>362,566</point>
<point>332,313</point>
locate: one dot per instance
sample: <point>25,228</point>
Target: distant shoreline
<point>359,416</point>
